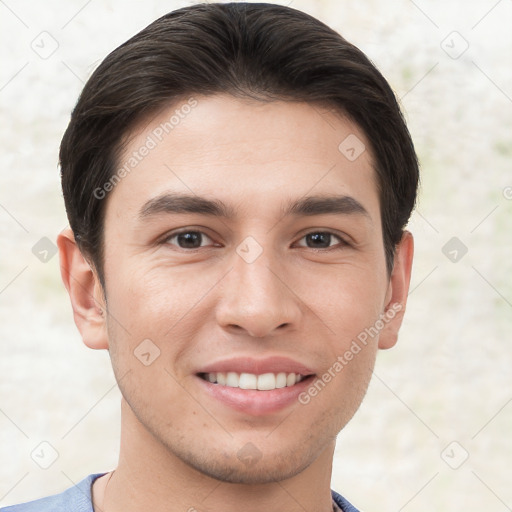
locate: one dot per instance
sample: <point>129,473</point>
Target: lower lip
<point>254,402</point>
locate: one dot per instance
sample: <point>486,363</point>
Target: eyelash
<point>342,242</point>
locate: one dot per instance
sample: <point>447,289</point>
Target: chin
<point>265,470</point>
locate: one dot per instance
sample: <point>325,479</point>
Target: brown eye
<point>322,240</point>
<point>187,239</point>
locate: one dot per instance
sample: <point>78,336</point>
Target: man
<point>237,179</point>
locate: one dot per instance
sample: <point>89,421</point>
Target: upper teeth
<point>264,382</point>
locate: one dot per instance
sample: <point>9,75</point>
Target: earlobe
<point>398,289</point>
<point>85,292</point>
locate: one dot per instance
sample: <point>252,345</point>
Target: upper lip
<point>275,364</point>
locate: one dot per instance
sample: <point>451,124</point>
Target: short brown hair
<point>262,51</point>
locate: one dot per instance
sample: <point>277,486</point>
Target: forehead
<point>236,150</point>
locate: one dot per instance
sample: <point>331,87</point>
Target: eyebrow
<point>307,206</point>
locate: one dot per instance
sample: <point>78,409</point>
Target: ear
<point>85,292</point>
<point>398,289</point>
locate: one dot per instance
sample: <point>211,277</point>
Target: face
<point>244,250</point>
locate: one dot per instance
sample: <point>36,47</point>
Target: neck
<point>149,477</point>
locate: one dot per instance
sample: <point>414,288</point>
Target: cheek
<point>346,343</point>
<point>154,312</point>
<point>154,298</point>
<point>346,302</point>
<point>333,399</point>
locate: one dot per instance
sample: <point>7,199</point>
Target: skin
<point>300,300</point>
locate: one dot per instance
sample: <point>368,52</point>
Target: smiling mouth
<point>262,382</point>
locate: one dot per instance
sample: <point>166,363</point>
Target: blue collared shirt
<point>78,499</point>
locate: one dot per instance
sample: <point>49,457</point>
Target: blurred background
<point>434,431</point>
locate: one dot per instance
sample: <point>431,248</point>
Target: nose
<point>257,298</point>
